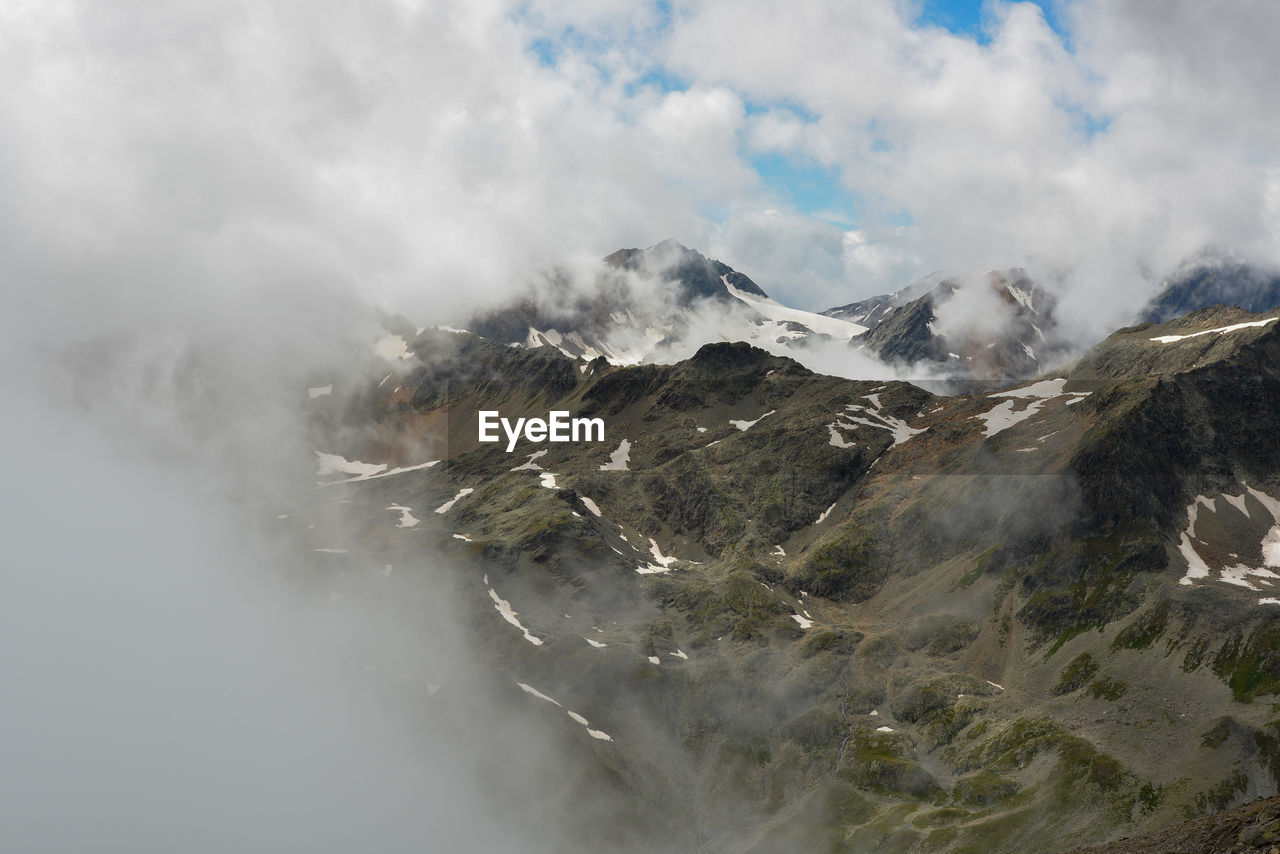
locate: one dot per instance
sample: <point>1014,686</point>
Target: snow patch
<point>747,425</point>
<point>1196,567</point>
<point>1271,547</point>
<point>590,505</point>
<point>321,391</point>
<point>448,505</point>
<point>663,560</point>
<point>1221,330</point>
<point>618,459</point>
<point>652,569</point>
<point>388,473</point>
<point>1238,575</point>
<point>529,464</point>
<point>503,607</point>
<point>838,440</point>
<point>1003,416</point>
<point>901,431</point>
<point>776,311</point>
<point>1021,297</point>
<point>407,519</point>
<point>334,464</point>
<point>804,624</point>
<point>594,733</point>
<point>529,689</point>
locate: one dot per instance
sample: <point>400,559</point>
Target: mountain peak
<point>697,275</point>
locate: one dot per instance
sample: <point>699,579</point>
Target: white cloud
<point>425,156</point>
<point>988,147</point>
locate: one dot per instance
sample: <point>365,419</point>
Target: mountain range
<point>777,610</point>
<point>801,612</point>
<point>660,303</point>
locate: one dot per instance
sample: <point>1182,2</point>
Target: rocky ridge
<point>866,615</point>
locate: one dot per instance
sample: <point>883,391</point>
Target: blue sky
<point>965,17</point>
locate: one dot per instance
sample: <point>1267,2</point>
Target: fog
<point>165,692</point>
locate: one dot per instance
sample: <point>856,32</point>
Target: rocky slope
<point>802,612</point>
<point>1253,828</point>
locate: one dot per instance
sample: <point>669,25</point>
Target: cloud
<point>399,149</point>
<point>169,688</point>
<point>1127,149</point>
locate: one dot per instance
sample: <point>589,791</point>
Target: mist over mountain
<point>662,303</point>
<point>1211,279</point>
<point>775,608</point>
<point>653,304</point>
<point>916,366</point>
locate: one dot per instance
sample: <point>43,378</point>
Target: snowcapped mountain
<point>655,304</point>
<point>662,303</point>
<point>994,327</point>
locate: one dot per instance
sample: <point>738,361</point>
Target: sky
<point>425,156</point>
